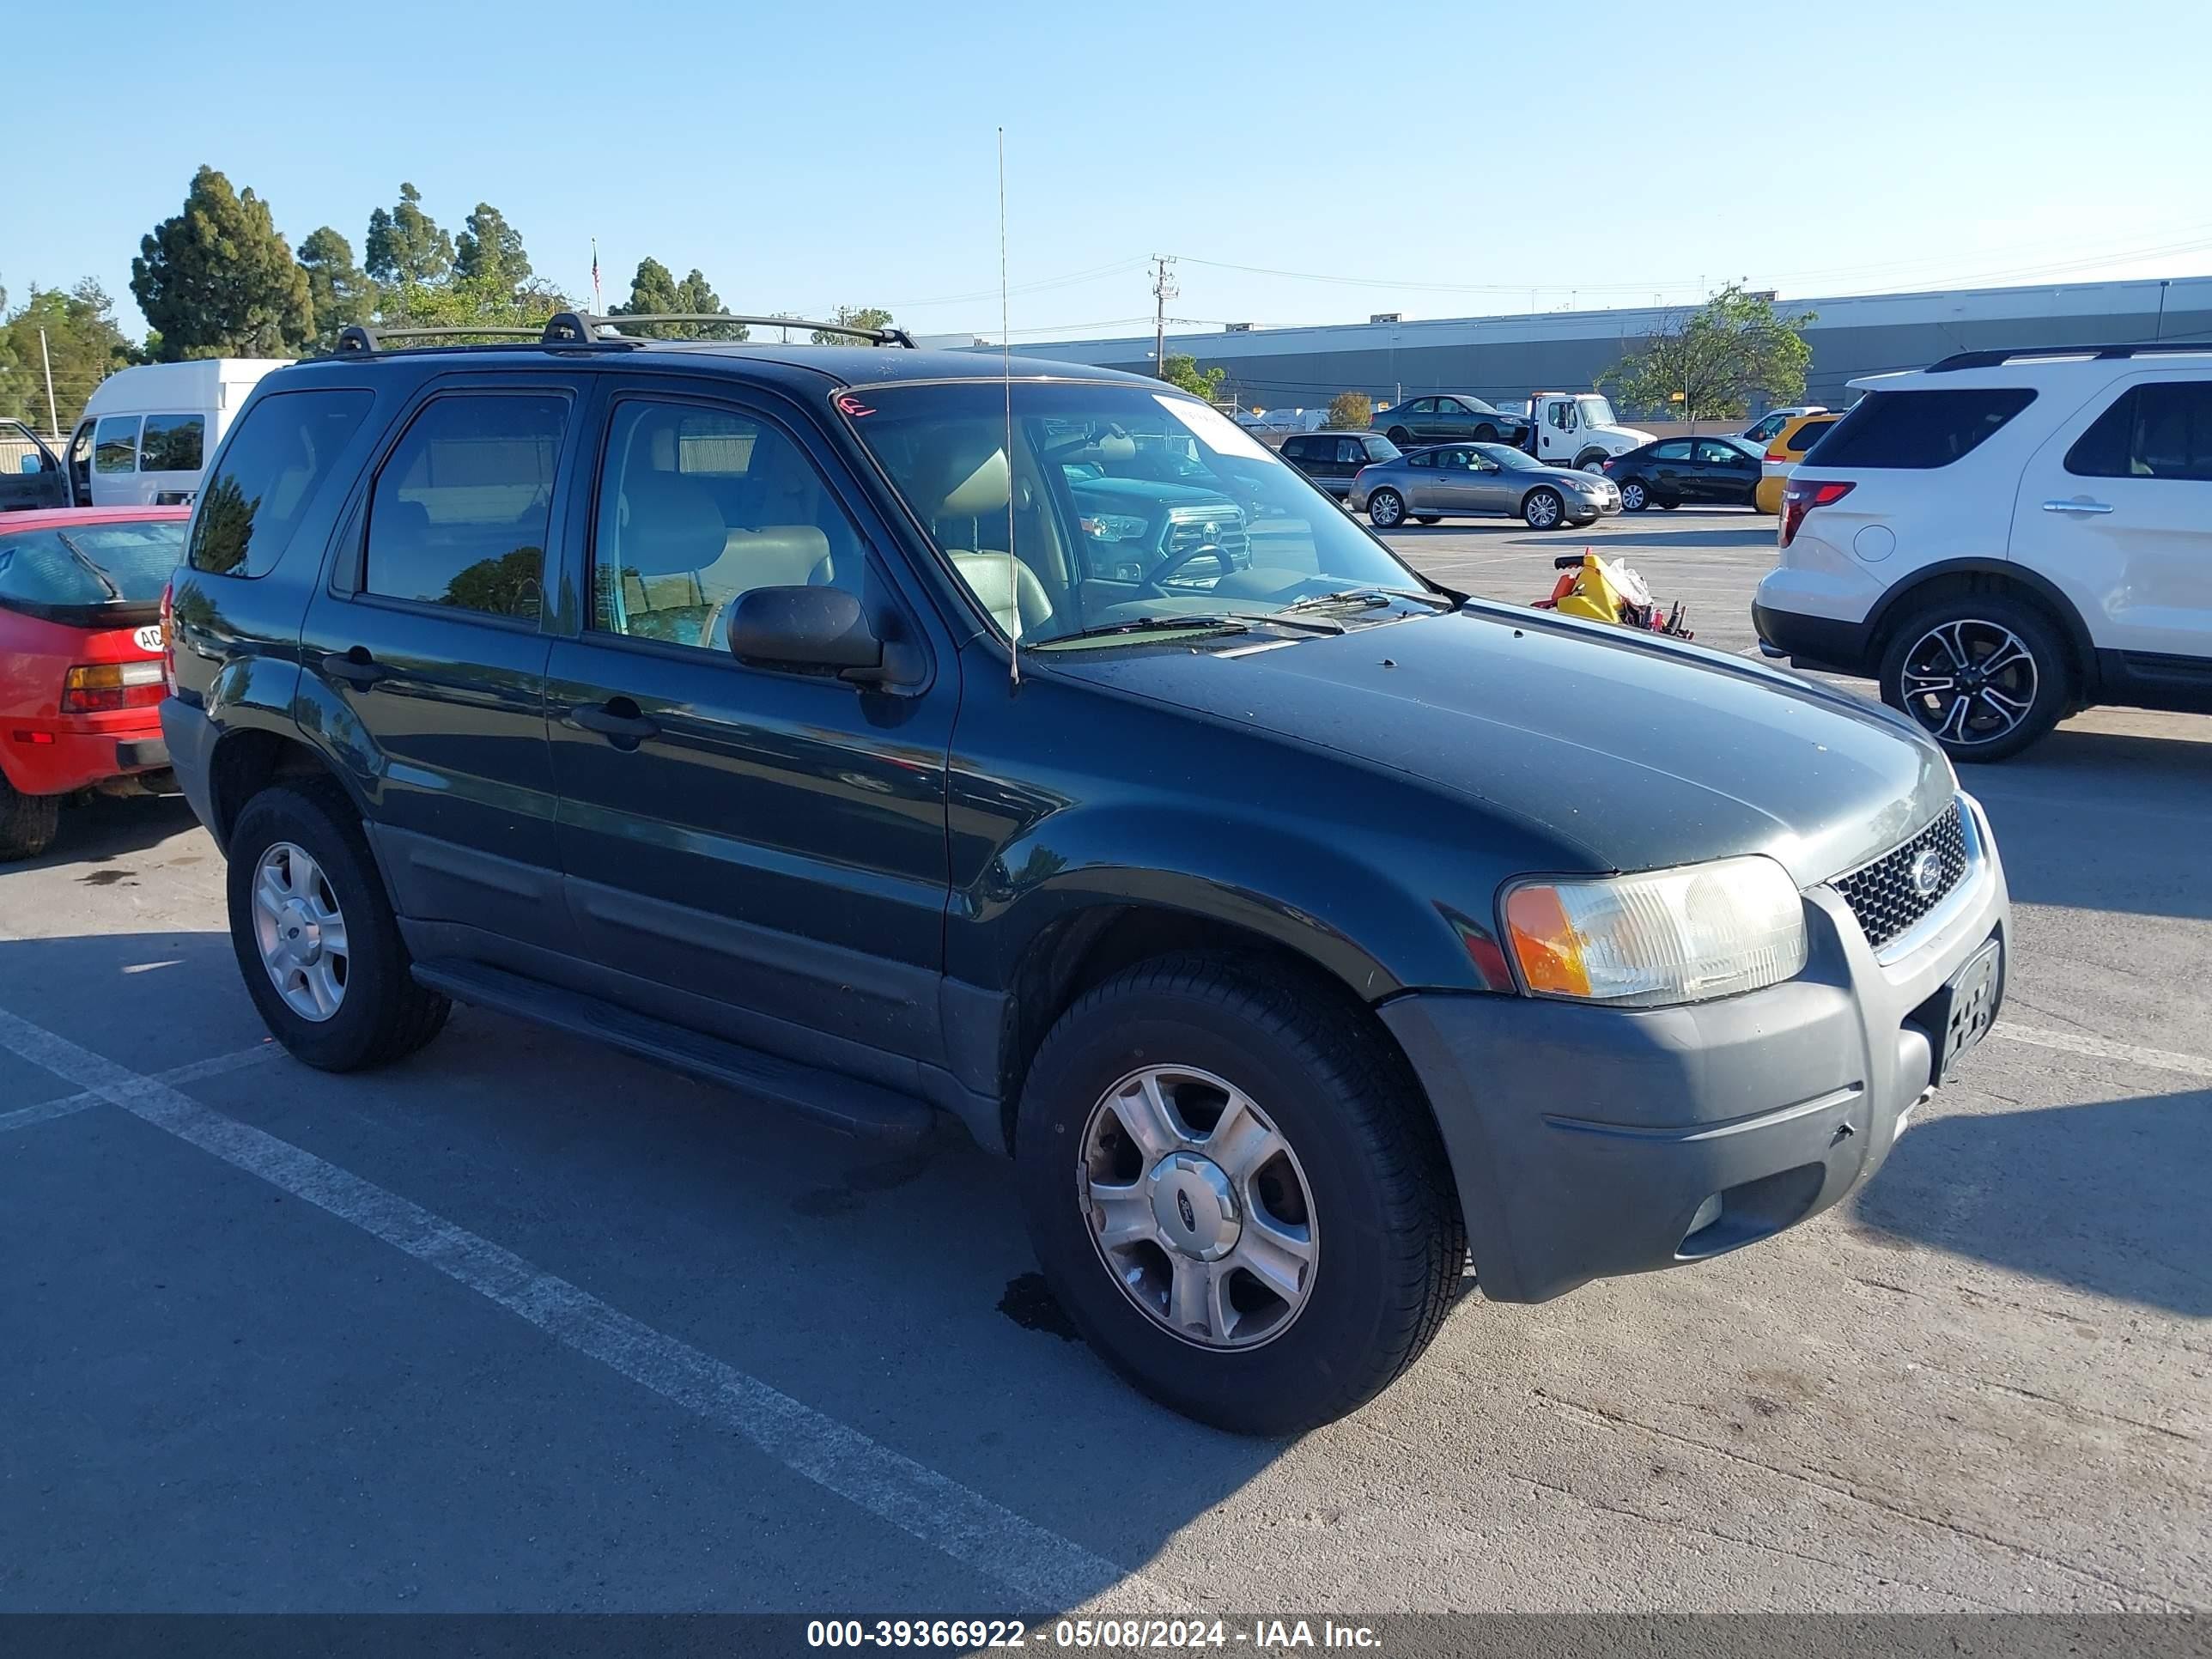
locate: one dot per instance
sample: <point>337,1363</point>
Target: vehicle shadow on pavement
<point>108,828</point>
<point>2106,1198</point>
<point>891,1290</point>
<point>1758,532</point>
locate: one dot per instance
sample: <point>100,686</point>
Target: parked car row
<point>143,440</point>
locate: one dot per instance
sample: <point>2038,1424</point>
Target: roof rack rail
<point>1958,360</point>
<point>584,328</point>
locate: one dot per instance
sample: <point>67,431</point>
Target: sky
<point>1304,163</point>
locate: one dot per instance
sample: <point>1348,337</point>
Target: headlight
<point>1668,936</point>
<point>1114,527</point>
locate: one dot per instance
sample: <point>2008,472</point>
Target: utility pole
<point>1163,289</point>
<point>53,417</point>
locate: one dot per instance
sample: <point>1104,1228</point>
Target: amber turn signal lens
<point>1545,942</point>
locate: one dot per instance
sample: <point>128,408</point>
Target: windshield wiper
<point>1367,598</point>
<point>85,559</point>
<point>1150,624</point>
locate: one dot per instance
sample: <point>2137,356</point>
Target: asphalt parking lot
<point>521,1324</point>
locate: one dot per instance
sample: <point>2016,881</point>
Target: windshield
<point>1513,460</point>
<point>90,564</point>
<point>1595,411</point>
<point>1122,504</point>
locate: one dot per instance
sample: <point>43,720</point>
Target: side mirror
<point>816,627</point>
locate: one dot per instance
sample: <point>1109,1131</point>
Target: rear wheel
<point>1386,509</point>
<point>1428,518</point>
<point>1399,436</point>
<point>1542,509</point>
<point>28,822</point>
<point>1237,1194</point>
<point>1984,674</point>
<point>315,935</point>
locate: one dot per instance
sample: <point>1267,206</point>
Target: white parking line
<point>2159,1060</point>
<point>1046,1569</point>
<point>46,1111</point>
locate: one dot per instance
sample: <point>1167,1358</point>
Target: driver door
<point>31,475</point>
<point>1458,485</point>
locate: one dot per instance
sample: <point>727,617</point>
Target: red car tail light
<point>1800,498</point>
<point>103,687</point>
<point>1778,453</point>
<point>169,637</point>
<point>1609,461</point>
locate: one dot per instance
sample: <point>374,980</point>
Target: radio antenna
<point>1006,379</point>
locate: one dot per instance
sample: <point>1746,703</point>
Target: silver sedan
<point>1466,480</point>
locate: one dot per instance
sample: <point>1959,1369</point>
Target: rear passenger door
<point>423,659</point>
<point>2116,509</point>
<point>758,851</point>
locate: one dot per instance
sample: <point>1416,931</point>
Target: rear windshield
<point>1811,433</point>
<point>90,564</point>
<point>1920,429</point>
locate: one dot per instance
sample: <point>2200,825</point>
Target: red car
<point>81,681</point>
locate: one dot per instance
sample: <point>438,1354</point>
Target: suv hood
<point>1641,753</point>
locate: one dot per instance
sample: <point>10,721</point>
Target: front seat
<point>972,482</point>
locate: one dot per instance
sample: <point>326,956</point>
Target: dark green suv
<point>889,734</point>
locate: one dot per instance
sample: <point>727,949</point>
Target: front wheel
<point>1485,434</point>
<point>1542,509</point>
<point>1633,497</point>
<point>1386,509</point>
<point>315,935</point>
<point>1983,676</point>
<point>1236,1193</point>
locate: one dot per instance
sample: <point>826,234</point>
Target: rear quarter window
<point>1805,436</point>
<point>1920,430</point>
<point>268,473</point>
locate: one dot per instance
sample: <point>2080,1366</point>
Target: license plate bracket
<point>1960,1014</point>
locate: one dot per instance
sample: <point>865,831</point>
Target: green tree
<point>854,317</point>
<point>84,344</point>
<point>218,281</point>
<point>490,250</point>
<point>405,247</point>
<point>655,290</point>
<point>1178,370</point>
<point>482,303</point>
<point>339,291</point>
<point>1350,409</point>
<point>1710,363</point>
<point>696,295</point>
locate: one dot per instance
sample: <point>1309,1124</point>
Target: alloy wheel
<point>1542,511</point>
<point>1968,681</point>
<point>1198,1207</point>
<point>301,931</point>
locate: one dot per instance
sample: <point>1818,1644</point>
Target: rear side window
<point>281,451</point>
<point>1294,449</point>
<point>115,444</point>
<point>2162,431</point>
<point>171,443</point>
<point>1677,449</point>
<point>1920,429</point>
<point>459,511</point>
<point>1802,440</point>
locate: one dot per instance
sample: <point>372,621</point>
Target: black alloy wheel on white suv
<point>1984,674</point>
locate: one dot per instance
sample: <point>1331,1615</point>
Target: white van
<point>148,431</point>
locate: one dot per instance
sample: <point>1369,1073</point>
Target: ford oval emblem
<point>1928,873</point>
<point>1190,1216</point>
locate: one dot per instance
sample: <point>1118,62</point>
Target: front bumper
<point>1587,1142</point>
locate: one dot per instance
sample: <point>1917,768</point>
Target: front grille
<point>1186,532</point>
<point>1883,894</point>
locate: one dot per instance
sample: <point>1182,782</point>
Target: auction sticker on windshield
<point>1216,430</point>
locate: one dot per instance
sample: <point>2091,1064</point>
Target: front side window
<point>1716,453</point>
<point>280,453</point>
<point>2157,431</point>
<point>1103,531</point>
<point>115,444</point>
<point>460,507</point>
<point>1920,430</point>
<point>171,443</point>
<point>697,507</point>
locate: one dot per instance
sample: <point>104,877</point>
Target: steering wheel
<point>1175,561</point>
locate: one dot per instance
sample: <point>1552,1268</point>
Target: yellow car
<point>1784,451</point>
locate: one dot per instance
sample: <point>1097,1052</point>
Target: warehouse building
<point>1511,357</point>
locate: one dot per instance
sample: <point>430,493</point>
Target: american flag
<point>596,303</point>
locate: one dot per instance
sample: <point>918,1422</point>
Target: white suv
<point>2007,536</point>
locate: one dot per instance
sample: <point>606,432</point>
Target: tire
<point>1386,509</point>
<point>1428,518</point>
<point>28,822</point>
<point>381,1014</point>
<point>1668,507</point>
<point>1543,509</point>
<point>1995,714</point>
<point>1634,497</point>
<point>1383,1228</point>
<point>1590,460</point>
<point>1485,434</point>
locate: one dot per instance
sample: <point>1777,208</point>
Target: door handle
<point>2075,507</point>
<point>355,666</point>
<point>616,720</point>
